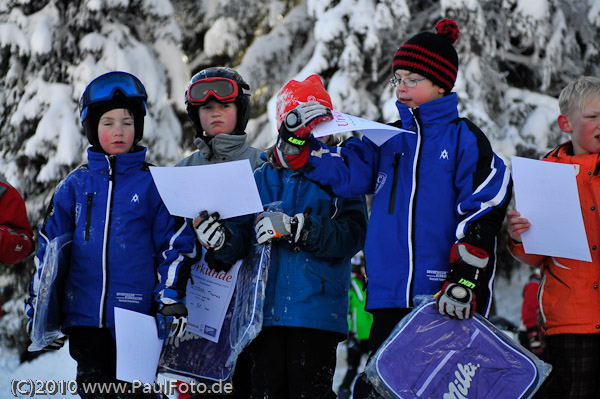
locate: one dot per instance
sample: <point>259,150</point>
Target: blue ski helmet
<point>221,84</point>
<point>109,91</point>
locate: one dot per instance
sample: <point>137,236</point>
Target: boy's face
<point>584,127</point>
<point>218,118</point>
<point>116,131</point>
<point>423,92</point>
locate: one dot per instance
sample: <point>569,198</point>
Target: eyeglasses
<point>105,87</point>
<point>223,89</point>
<point>409,83</point>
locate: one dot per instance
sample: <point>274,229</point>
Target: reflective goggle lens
<point>221,88</point>
<point>104,87</point>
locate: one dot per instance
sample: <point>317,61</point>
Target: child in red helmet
<point>313,237</point>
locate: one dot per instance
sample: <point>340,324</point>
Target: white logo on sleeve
<point>381,178</point>
<point>444,155</point>
<point>135,198</point>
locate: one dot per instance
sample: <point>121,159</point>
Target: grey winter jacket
<point>223,148</point>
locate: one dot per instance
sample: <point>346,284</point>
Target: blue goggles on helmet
<point>105,88</point>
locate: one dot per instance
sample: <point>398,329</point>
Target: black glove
<point>457,297</point>
<point>171,320</point>
<point>56,344</point>
<point>210,230</point>
<point>292,148</point>
<point>214,263</point>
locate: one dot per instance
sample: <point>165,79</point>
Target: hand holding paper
<point>517,225</point>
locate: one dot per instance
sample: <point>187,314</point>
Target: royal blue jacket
<point>307,283</point>
<point>127,250</point>
<point>440,184</point>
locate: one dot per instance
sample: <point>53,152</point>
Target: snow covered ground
<point>52,367</point>
<point>58,366</point>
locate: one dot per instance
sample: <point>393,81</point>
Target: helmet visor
<point>104,87</point>
<point>223,89</point>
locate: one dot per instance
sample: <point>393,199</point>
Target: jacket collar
<point>123,162</point>
<point>441,110</point>
<point>223,146</point>
<point>564,154</point>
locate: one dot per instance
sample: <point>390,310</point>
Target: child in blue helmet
<point>127,250</point>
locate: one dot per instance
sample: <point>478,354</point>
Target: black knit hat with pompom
<point>431,55</point>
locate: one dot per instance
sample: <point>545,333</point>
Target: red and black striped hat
<point>431,55</point>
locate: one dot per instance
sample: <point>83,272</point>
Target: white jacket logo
<point>459,388</point>
<point>381,178</point>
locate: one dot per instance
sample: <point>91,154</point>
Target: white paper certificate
<point>208,295</point>
<point>546,195</point>
<point>138,346</point>
<point>227,187</point>
<point>377,132</point>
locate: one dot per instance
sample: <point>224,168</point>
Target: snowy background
<point>515,57</point>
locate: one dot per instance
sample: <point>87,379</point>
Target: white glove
<point>210,230</point>
<point>456,300</point>
<point>457,297</point>
<point>273,225</point>
<point>303,115</point>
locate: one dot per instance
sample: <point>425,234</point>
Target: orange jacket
<point>569,292</point>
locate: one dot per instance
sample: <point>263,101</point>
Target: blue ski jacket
<point>127,250</point>
<point>307,283</point>
<point>433,186</point>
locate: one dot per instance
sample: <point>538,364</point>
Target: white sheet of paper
<point>555,214</point>
<point>208,298</point>
<point>138,346</point>
<point>377,132</point>
<point>228,188</point>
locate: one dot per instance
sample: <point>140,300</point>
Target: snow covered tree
<point>49,51</point>
<point>515,57</point>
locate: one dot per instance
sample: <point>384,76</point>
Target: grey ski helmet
<point>211,87</point>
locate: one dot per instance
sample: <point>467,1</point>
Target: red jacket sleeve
<point>529,310</point>
<point>16,235</point>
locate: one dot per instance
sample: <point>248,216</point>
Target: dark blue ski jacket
<point>307,283</point>
<point>127,250</point>
<point>439,184</point>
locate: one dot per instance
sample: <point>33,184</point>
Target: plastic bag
<point>194,357</point>
<point>428,355</point>
<point>47,318</point>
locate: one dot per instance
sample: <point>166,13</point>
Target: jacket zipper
<point>396,164</point>
<point>88,215</point>
<point>111,182</point>
<point>412,210</point>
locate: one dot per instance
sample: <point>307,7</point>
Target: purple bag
<point>428,355</point>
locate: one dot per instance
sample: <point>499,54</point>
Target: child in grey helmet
<point>218,103</point>
<point>217,100</point>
